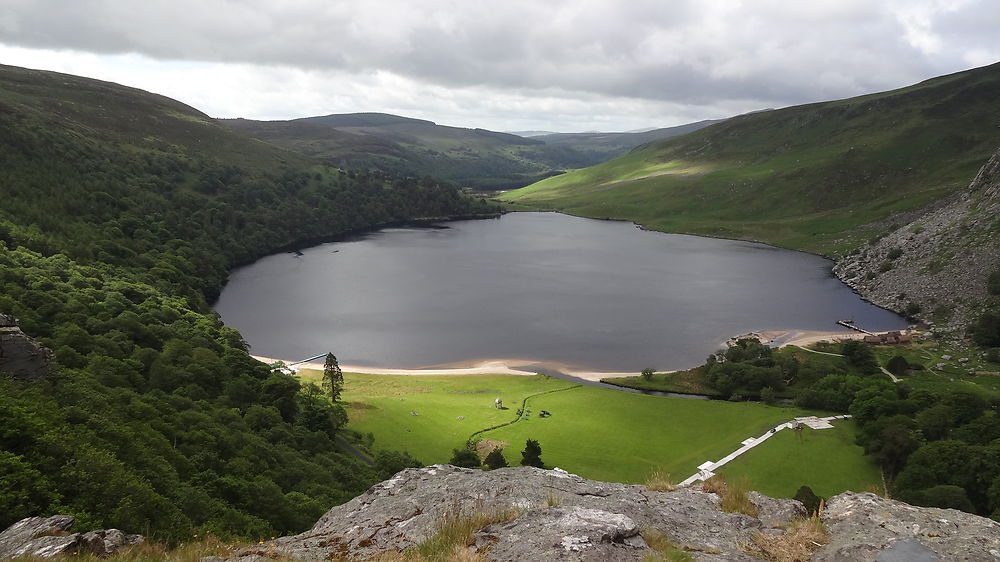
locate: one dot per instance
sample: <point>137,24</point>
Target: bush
<point>495,459</point>
<point>894,253</point>
<point>898,365</point>
<point>859,355</point>
<point>986,330</point>
<point>647,373</point>
<point>808,499</point>
<point>993,283</point>
<point>532,454</point>
<point>993,355</point>
<point>465,458</point>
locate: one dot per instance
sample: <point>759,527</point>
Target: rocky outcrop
<point>45,537</point>
<point>553,515</point>
<point>936,264</point>
<point>20,355</point>
<point>867,527</point>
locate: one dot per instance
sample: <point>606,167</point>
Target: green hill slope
<point>822,177</point>
<point>604,146</point>
<point>121,213</point>
<point>474,158</point>
<point>412,147</point>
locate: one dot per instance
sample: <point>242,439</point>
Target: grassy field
<point>815,177</point>
<point>449,409</point>
<point>613,435</point>
<point>827,460</point>
<point>594,432</point>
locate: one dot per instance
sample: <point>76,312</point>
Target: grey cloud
<point>768,52</point>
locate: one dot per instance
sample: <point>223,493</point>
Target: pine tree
<point>495,459</point>
<point>333,378</point>
<point>532,454</point>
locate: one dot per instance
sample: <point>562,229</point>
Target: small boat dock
<point>851,325</point>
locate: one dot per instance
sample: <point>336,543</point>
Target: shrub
<point>465,458</point>
<point>647,373</point>
<point>993,355</point>
<point>894,253</point>
<point>993,283</point>
<point>495,459</point>
<point>808,499</point>
<point>665,548</point>
<point>800,540</point>
<point>898,365</point>
<point>532,454</point>
<point>985,331</point>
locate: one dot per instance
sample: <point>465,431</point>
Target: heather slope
<point>821,177</point>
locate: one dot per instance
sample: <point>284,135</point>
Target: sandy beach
<point>806,337</point>
<point>779,338</point>
<point>485,367</point>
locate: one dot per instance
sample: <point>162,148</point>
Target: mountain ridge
<point>817,177</point>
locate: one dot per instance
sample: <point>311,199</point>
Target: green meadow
<point>594,432</point>
<point>826,460</point>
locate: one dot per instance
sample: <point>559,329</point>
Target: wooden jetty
<point>850,324</point>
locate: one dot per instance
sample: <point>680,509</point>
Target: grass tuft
<point>664,548</point>
<point>714,485</point>
<point>735,496</point>
<point>659,481</point>
<point>552,500</point>
<point>801,539</point>
<point>453,539</point>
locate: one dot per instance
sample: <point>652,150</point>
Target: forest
<point>122,213</point>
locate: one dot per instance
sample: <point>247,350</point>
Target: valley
<point>126,214</point>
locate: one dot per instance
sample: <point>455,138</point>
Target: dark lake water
<point>545,287</point>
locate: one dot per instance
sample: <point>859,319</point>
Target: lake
<point>541,287</point>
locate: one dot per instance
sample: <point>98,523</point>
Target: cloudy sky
<point>557,65</point>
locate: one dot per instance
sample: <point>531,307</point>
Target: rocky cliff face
<point>46,537</point>
<point>20,355</point>
<point>939,261</point>
<point>553,515</point>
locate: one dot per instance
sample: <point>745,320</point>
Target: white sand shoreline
<point>521,367</point>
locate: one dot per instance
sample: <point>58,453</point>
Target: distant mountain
<point>823,177</point>
<point>605,146</point>
<point>475,158</point>
<point>529,134</point>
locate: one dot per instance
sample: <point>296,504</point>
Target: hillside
<point>474,158</point>
<point>822,177</point>
<point>605,146</point>
<point>938,265</point>
<point>121,213</point>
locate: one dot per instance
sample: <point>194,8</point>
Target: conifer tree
<point>333,378</point>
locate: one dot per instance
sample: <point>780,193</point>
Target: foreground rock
<point>20,355</point>
<point>45,537</point>
<point>553,515</point>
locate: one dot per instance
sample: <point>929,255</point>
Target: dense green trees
<point>120,215</point>
<point>748,367</point>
